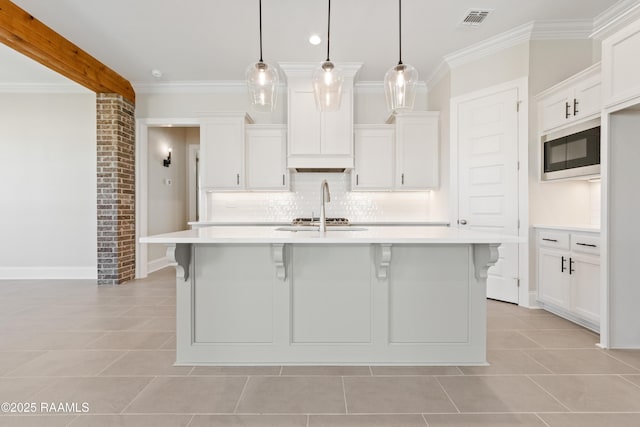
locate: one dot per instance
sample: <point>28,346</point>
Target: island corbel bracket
<point>484,256</point>
<point>383,260</point>
<point>277,254</point>
<point>180,257</point>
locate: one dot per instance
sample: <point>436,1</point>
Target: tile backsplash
<point>304,199</point>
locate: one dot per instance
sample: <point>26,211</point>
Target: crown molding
<point>489,46</point>
<point>211,86</point>
<point>441,70</point>
<point>305,69</point>
<point>43,88</point>
<point>378,86</point>
<point>616,17</point>
<point>571,29</point>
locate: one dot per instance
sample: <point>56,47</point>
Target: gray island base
<point>342,298</point>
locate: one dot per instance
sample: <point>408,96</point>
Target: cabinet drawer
<point>551,239</point>
<point>585,243</point>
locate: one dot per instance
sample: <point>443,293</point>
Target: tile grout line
<point>138,395</point>
<point>425,419</point>
<point>117,359</point>
<point>72,420</point>
<point>344,396</point>
<point>190,420</point>
<point>620,360</point>
<point>536,361</point>
<point>447,394</point>
<point>548,392</point>
<point>235,408</point>
<point>163,343</point>
<point>629,381</point>
<point>308,418</point>
<point>543,421</point>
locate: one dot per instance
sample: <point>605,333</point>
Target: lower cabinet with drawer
<point>569,275</point>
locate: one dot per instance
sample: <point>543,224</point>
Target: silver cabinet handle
<point>551,240</point>
<point>357,179</point>
<point>463,222</point>
<point>237,179</point>
<point>283,180</point>
<point>402,179</point>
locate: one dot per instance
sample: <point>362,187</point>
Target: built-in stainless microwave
<point>574,154</point>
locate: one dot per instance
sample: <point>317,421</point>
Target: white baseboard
<point>157,264</point>
<point>35,273</point>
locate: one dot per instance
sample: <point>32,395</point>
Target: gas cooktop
<point>316,220</point>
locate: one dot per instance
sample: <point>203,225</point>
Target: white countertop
<point>280,223</point>
<point>584,228</point>
<point>373,234</point>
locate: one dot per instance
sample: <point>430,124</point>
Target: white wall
<point>167,204</point>
<point>440,100</point>
<point>503,66</point>
<point>48,186</point>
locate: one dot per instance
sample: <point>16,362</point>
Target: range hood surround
<point>318,141</point>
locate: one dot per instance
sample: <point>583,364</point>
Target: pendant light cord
<point>260,11</point>
<point>328,30</point>
<point>400,31</point>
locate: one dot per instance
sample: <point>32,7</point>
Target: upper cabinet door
<point>621,65</point>
<point>571,101</point>
<point>374,157</point>
<point>304,122</point>
<point>222,152</point>
<point>266,158</point>
<point>337,128</point>
<point>417,157</point>
<point>556,109</point>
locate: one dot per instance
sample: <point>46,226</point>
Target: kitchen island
<point>351,295</point>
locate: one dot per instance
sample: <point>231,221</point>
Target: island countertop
<point>342,235</point>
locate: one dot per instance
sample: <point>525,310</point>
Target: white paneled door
<point>488,179</point>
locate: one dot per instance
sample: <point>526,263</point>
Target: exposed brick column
<point>116,188</point>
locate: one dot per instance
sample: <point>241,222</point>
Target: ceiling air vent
<point>475,17</point>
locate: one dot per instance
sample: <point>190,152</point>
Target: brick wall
<point>116,188</point>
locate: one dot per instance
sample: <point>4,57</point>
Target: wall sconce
<point>166,162</point>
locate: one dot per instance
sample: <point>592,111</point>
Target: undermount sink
<point>316,228</point>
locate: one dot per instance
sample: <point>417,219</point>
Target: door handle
<point>586,244</point>
<point>575,106</point>
<point>357,179</point>
<point>571,269</point>
<point>550,240</point>
<point>567,108</point>
<point>283,180</point>
<point>562,267</point>
<point>402,179</point>
<point>237,179</point>
<point>463,222</point>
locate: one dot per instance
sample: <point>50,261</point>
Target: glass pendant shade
<point>400,87</point>
<point>262,83</point>
<point>327,86</point>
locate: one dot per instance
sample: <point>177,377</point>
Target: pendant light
<point>328,79</point>
<point>262,81</point>
<point>400,81</point>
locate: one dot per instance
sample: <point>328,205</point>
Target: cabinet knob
<point>463,222</point>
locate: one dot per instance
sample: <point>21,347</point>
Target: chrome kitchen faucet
<point>324,189</point>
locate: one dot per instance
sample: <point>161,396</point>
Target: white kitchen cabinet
<point>572,101</point>
<point>417,151</point>
<point>266,158</point>
<point>621,65</point>
<point>374,158</point>
<point>318,139</point>
<point>222,151</point>
<point>569,275</point>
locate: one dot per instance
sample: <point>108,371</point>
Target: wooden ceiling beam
<point>25,34</point>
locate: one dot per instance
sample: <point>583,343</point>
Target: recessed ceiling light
<point>156,73</point>
<point>315,39</point>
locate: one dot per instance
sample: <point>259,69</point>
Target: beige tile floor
<point>72,341</point>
